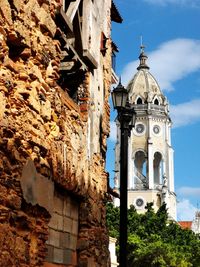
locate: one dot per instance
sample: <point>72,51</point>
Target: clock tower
<point>151,164</point>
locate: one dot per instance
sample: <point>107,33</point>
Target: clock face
<point>156,129</point>
<point>139,128</point>
<point>139,202</point>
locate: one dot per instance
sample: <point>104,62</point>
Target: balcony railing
<point>152,107</point>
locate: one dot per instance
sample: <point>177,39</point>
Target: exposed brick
<point>6,11</point>
<point>82,244</point>
<point>18,4</point>
<point>91,262</point>
<point>47,168</point>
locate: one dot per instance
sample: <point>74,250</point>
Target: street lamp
<point>126,117</point>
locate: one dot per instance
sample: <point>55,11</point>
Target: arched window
<point>157,166</point>
<point>140,164</point>
<point>156,102</point>
<point>139,101</point>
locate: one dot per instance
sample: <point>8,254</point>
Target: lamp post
<point>126,117</point>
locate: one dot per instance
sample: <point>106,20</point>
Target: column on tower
<point>164,169</point>
<point>170,160</point>
<point>150,158</point>
<point>150,165</point>
<point>171,169</point>
<point>161,171</point>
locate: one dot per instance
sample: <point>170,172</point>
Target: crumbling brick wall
<point>47,140</point>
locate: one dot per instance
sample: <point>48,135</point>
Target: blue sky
<point>170,30</point>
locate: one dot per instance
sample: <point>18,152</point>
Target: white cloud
<point>185,113</point>
<point>188,3</point>
<point>113,132</point>
<point>188,191</point>
<point>185,210</point>
<point>172,61</point>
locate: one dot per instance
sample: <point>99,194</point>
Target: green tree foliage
<point>154,241</point>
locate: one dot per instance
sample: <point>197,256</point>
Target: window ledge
<point>91,61</point>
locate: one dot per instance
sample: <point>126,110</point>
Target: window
<point>139,101</point>
<point>156,102</point>
<point>72,68</point>
<point>139,128</point>
<point>140,169</point>
<point>157,166</point>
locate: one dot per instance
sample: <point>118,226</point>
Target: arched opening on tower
<point>156,102</point>
<point>139,101</point>
<point>158,168</point>
<point>140,163</point>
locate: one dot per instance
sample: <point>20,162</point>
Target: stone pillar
<point>130,163</point>
<point>112,249</point>
<point>150,166</point>
<point>171,169</point>
<point>133,174</point>
<point>150,158</point>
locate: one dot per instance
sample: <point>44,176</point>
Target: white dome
<point>144,85</point>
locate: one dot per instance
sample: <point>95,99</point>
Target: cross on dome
<point>142,47</point>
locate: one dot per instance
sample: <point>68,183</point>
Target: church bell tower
<point>150,161</point>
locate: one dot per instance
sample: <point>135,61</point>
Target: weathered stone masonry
<point>55,77</point>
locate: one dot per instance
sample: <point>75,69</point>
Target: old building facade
<point>55,78</point>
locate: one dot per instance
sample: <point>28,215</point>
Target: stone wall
<point>53,145</point>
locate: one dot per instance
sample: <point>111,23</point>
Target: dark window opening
<point>139,101</point>
<point>140,163</point>
<point>17,49</point>
<point>77,26</point>
<point>70,82</point>
<point>72,68</point>
<point>158,168</point>
<point>156,102</point>
<point>65,5</point>
<point>14,50</point>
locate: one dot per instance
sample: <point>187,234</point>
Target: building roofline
<point>115,15</point>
